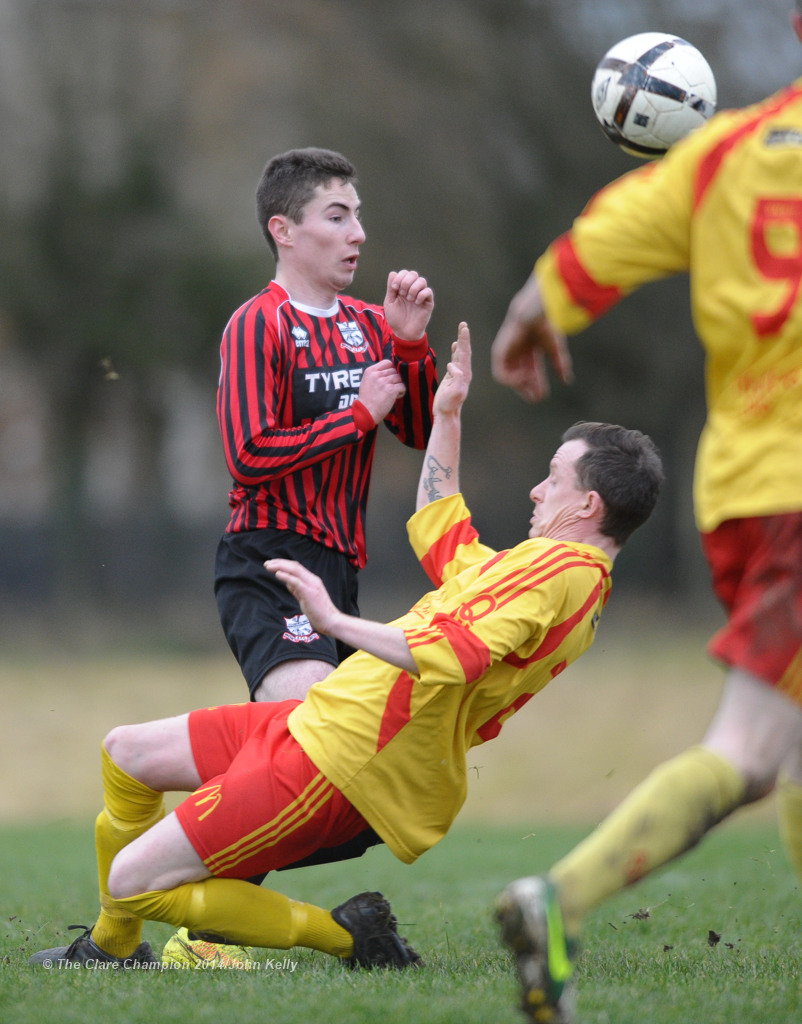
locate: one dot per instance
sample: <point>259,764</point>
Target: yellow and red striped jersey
<point>497,629</point>
<point>724,204</point>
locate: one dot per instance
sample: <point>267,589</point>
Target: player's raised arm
<point>440,472</point>
<point>525,337</point>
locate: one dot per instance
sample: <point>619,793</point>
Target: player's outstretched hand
<point>453,388</point>
<point>408,304</point>
<point>308,589</point>
<point>524,341</point>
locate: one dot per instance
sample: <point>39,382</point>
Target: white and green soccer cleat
<point>531,925</point>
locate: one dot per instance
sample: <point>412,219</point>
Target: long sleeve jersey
<point>498,628</point>
<point>298,444</point>
<point>725,204</point>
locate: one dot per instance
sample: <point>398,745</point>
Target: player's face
<point>325,245</point>
<point>559,499</point>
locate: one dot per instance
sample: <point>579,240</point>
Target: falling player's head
<point>625,468</point>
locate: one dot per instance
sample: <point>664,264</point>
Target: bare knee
<point>134,748</point>
<point>121,748</point>
<point>161,858</point>
<point>131,874</point>
<point>157,754</point>
<point>121,882</point>
<point>136,867</point>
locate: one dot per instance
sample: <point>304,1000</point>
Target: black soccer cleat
<point>84,950</point>
<point>370,920</point>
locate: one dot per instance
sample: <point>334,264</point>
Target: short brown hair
<point>625,468</point>
<point>289,180</point>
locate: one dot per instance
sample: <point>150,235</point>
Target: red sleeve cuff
<point>410,351</point>
<point>364,421</point>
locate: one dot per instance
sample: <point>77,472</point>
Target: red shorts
<point>263,804</point>
<point>756,565</point>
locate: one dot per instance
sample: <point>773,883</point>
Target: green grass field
<point>639,696</point>
<point>646,957</point>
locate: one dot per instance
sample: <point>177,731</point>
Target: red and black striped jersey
<point>298,450</point>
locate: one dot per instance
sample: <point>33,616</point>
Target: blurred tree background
<point>134,132</point>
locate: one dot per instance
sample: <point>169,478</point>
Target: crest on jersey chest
<point>352,337</point>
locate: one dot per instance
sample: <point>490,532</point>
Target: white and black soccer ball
<point>650,90</point>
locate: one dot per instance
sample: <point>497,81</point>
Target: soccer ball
<point>650,90</point>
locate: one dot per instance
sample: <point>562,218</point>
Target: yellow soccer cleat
<point>188,950</point>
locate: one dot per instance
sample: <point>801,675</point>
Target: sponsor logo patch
<point>788,137</point>
<point>301,336</point>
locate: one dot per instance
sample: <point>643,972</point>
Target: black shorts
<point>261,620</point>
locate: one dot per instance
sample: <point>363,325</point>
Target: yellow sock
<point>243,914</point>
<point>131,808</point>
<point>665,815</point>
<point>789,813</point>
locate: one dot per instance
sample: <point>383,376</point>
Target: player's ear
<point>796,24</point>
<point>594,505</point>
<point>280,227</point>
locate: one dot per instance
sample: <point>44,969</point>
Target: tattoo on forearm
<point>436,474</point>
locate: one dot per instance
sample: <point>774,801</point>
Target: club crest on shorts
<point>299,630</point>
<point>352,336</point>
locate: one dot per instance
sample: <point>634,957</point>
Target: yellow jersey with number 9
<point>724,205</point>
